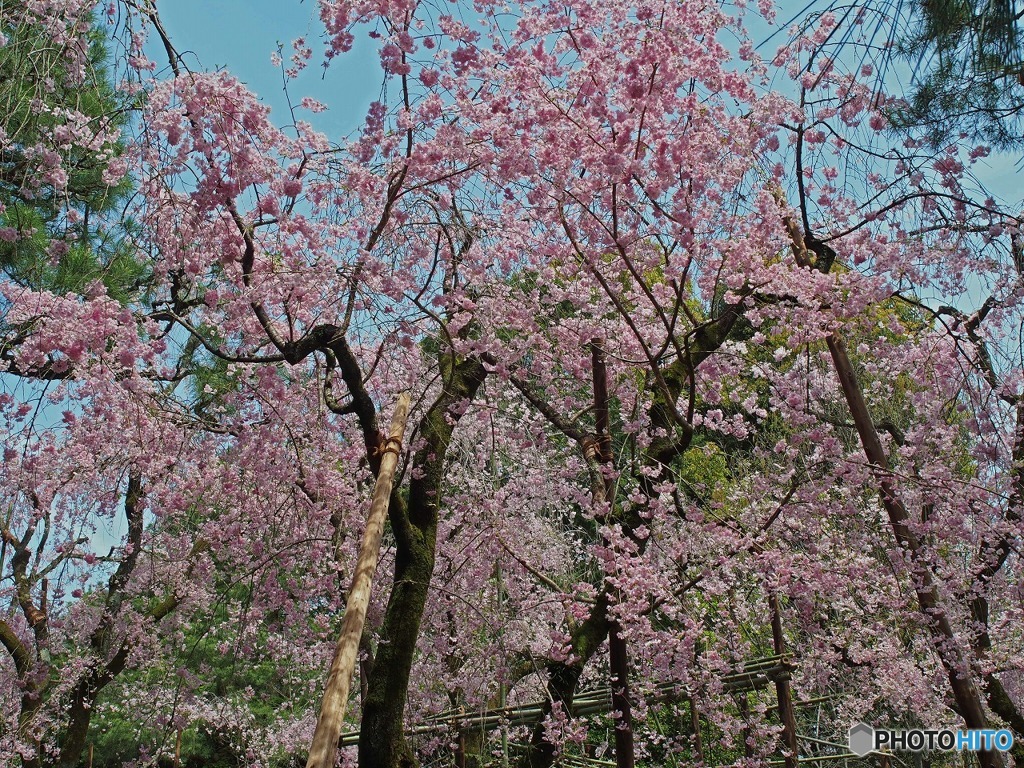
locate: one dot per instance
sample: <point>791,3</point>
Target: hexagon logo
<point>862,739</point>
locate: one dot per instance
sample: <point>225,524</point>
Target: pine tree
<point>970,71</point>
<point>61,185</point>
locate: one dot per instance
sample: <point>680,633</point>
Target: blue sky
<point>241,35</point>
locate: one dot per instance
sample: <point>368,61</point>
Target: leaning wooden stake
<point>332,711</point>
<point>966,694</point>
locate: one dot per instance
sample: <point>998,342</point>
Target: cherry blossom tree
<point>654,314</point>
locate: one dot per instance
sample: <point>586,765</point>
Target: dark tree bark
<point>783,690</point>
<point>563,678</point>
<point>382,742</point>
<point>618,651</point>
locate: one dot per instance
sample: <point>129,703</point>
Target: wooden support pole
<point>782,688</point>
<point>955,659</point>
<point>966,694</point>
<point>618,651</point>
<point>323,750</point>
<point>698,740</point>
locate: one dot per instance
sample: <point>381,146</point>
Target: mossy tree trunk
<point>382,742</point>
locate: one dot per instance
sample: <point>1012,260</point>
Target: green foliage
<point>211,379</point>
<point>72,235</point>
<point>970,72</point>
<point>207,675</point>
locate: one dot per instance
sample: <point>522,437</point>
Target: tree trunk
<point>618,651</point>
<point>83,700</point>
<point>382,742</point>
<point>563,679</point>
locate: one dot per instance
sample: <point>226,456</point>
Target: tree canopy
<point>716,443</point>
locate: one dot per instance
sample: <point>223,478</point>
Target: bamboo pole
<point>592,702</point>
<point>332,711</point>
